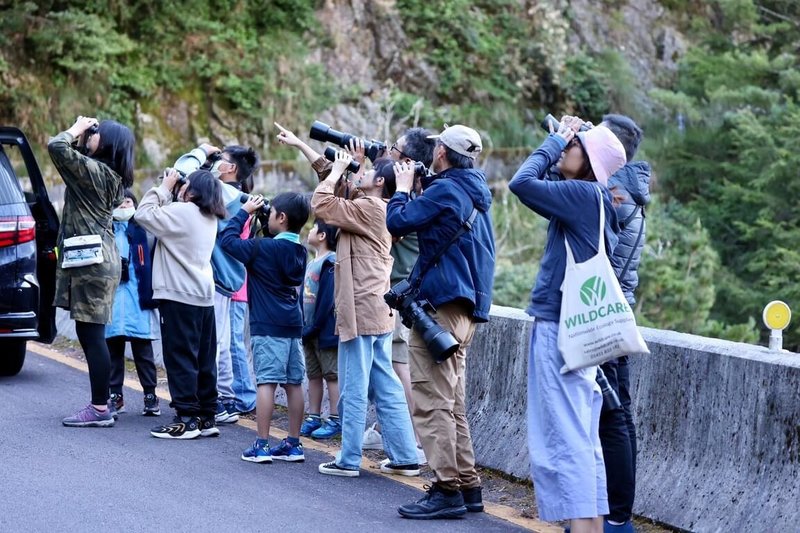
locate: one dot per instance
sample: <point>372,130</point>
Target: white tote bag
<point>596,323</point>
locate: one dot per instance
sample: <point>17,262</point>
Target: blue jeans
<point>244,386</point>
<point>366,374</point>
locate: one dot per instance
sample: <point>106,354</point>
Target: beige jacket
<point>363,263</point>
<point>186,237</point>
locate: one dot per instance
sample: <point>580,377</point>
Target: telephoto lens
<point>324,133</point>
<point>330,155</point>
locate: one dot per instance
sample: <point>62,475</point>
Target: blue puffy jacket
<point>466,270</point>
<point>633,183</point>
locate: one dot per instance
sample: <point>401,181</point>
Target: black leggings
<point>93,341</point>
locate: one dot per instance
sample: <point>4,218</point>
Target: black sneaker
<point>437,503</point>
<point>208,427</point>
<point>117,402</point>
<point>332,469</point>
<point>182,427</point>
<point>473,499</point>
<point>387,467</point>
<point>151,407</point>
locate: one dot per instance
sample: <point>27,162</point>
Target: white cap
<point>461,139</point>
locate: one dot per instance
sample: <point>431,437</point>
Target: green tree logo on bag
<point>593,291</point>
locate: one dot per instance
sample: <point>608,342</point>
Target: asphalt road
<point>54,478</point>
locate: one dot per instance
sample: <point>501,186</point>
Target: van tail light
<point>16,230</point>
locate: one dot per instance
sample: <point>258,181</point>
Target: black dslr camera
<point>322,132</point>
<point>550,119</point>
<point>440,342</point>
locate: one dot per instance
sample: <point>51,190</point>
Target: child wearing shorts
<point>275,269</point>
<point>320,342</point>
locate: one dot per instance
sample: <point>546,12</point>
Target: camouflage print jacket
<point>93,190</point>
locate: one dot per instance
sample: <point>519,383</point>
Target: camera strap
<point>465,227</point>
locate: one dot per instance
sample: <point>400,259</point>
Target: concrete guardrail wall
<point>718,424</point>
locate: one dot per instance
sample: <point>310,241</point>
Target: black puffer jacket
<point>633,183</point>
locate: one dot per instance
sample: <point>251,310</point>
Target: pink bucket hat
<point>605,151</point>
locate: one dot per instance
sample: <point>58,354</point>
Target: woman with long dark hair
<point>183,285</point>
<point>95,161</point>
<point>564,409</point>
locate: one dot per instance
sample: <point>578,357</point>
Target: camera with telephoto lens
<point>330,155</point>
<point>322,132</point>
<point>550,119</point>
<point>440,342</point>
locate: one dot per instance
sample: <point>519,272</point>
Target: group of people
<point>189,248</point>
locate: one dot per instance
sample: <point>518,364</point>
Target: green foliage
<point>677,271</point>
<point>735,167</point>
<point>240,63</point>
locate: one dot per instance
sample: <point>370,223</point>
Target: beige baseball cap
<point>461,139</point>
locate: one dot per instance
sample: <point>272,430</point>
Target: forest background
<point>714,83</point>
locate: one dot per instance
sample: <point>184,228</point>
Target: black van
<point>28,231</point>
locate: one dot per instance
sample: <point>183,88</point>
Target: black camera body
<point>324,133</point>
<point>550,119</point>
<point>330,155</point>
<point>440,342</point>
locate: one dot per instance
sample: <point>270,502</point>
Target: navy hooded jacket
<point>323,327</point>
<point>573,210</point>
<point>466,270</point>
<point>633,183</point>
<point>276,268</point>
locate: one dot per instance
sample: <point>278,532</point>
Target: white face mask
<point>123,213</point>
<point>215,168</point>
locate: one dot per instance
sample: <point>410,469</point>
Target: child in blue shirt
<point>275,269</point>
<point>320,342</point>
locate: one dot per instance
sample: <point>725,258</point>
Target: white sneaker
<point>372,439</point>
<point>421,459</point>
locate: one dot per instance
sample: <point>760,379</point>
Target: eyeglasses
<point>399,151</point>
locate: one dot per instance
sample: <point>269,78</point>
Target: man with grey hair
<point>455,275</point>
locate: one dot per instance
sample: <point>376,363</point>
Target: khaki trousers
<point>439,412</point>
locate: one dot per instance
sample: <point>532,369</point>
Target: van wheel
<point>12,356</point>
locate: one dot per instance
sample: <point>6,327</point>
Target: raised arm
<point>353,216</point>
<point>153,214</point>
<point>73,166</point>
<point>230,238</point>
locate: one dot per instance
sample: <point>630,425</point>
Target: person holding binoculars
<point>564,408</point>
<point>95,160</point>
<point>183,285</point>
<point>454,275</point>
<point>364,322</point>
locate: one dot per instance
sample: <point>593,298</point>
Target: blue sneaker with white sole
<point>331,428</point>
<point>310,425</point>
<point>258,452</point>
<point>288,452</point>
